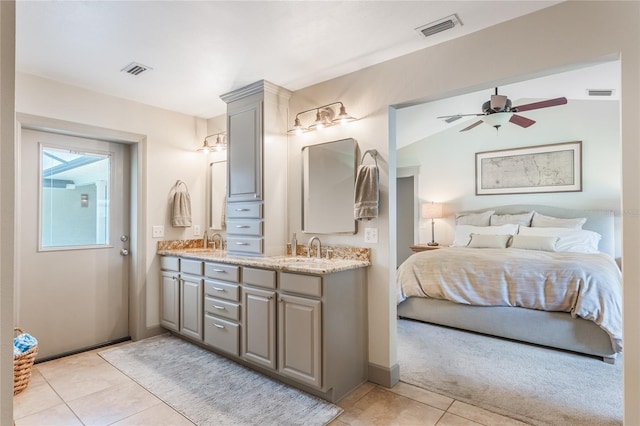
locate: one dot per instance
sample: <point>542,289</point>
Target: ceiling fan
<point>499,111</point>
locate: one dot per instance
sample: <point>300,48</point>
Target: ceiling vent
<point>600,92</point>
<point>135,68</point>
<point>439,25</point>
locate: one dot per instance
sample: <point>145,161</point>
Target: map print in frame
<point>542,168</point>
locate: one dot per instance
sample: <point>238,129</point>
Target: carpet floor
<point>209,389</point>
<point>536,385</point>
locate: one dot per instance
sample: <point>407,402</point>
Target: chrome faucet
<point>218,237</point>
<point>318,249</point>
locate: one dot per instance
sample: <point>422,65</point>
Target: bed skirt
<point>554,329</point>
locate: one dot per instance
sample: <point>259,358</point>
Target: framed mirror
<point>328,178</point>
<point>218,195</point>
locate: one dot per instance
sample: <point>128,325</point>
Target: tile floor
<point>84,389</point>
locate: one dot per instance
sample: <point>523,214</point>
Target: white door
<point>73,289</point>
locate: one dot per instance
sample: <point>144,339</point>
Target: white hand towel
<point>366,193</point>
<point>181,210</point>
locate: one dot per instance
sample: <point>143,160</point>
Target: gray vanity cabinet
<point>257,171</point>
<point>259,316</point>
<point>170,293</point>
<point>222,307</point>
<point>191,293</point>
<point>300,339</point>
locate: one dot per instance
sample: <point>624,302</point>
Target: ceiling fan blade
<point>521,121</point>
<point>460,115</point>
<point>453,118</point>
<point>541,104</point>
<point>477,123</point>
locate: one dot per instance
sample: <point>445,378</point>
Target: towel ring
<point>373,153</point>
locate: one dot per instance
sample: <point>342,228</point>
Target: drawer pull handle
<point>219,270</point>
<point>218,289</point>
<point>238,243</point>
<point>242,210</point>
<point>242,226</point>
<point>218,325</point>
<point>219,307</point>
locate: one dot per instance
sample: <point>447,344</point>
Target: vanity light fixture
<point>219,145</point>
<point>325,117</point>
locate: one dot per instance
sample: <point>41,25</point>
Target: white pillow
<point>540,220</point>
<point>523,219</point>
<point>489,241</point>
<point>475,219</point>
<point>570,240</point>
<point>534,242</point>
<point>462,233</point>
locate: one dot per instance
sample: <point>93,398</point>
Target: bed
<point>526,290</point>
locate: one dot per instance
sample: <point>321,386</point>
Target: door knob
<point>124,252</point>
<point>124,238</point>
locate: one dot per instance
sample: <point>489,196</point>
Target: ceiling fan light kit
<point>498,111</point>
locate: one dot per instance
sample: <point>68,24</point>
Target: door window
<point>74,198</point>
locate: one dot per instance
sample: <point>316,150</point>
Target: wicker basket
<point>22,365</point>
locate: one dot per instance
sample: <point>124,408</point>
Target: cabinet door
<point>259,327</point>
<point>191,306</point>
<point>299,339</point>
<point>170,296</point>
<point>244,124</point>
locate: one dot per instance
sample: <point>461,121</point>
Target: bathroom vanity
<point>300,320</point>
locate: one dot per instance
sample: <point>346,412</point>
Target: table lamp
<point>431,211</point>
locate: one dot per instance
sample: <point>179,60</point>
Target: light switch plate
<point>371,235</point>
<point>196,230</point>
<point>157,231</point>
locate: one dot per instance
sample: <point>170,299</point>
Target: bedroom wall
<point>484,59</point>
<point>447,162</point>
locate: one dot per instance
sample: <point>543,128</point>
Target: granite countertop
<point>310,265</point>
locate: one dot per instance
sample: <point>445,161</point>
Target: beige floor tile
<point>80,375</point>
<point>422,395</point>
<point>381,407</point>
<point>112,404</point>
<point>157,415</point>
<point>60,415</point>
<point>33,399</point>
<point>452,420</point>
<point>36,377</point>
<point>355,396</point>
<point>481,415</point>
<point>337,422</point>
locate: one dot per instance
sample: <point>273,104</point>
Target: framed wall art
<point>542,168</point>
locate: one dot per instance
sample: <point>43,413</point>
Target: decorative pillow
<point>475,219</point>
<point>534,242</point>
<point>523,219</point>
<point>489,241</point>
<point>542,221</point>
<point>462,234</point>
<point>569,240</point>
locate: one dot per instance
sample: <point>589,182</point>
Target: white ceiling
<point>201,49</point>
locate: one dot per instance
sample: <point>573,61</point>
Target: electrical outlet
<point>196,230</point>
<point>371,235</point>
<point>157,231</point>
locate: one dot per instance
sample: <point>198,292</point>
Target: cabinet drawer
<point>259,277</point>
<point>302,284</point>
<point>244,210</point>
<point>220,308</point>
<point>222,290</point>
<point>245,227</point>
<point>221,271</point>
<point>170,263</point>
<point>193,267</point>
<point>222,334</point>
<point>244,245</point>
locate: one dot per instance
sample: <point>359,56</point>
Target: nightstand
<point>422,247</point>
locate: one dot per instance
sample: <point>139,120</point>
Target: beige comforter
<point>586,285</point>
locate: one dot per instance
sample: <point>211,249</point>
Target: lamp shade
<point>431,210</point>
